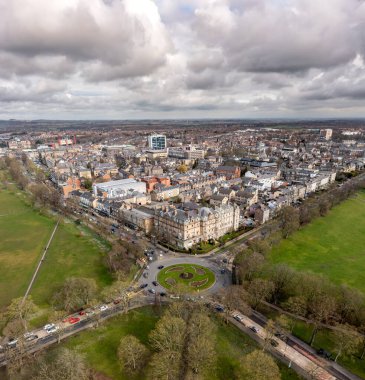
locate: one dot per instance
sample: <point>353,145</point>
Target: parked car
<point>254,329</point>
<point>219,309</point>
<point>160,267</point>
<point>152,291</point>
<point>52,329</point>
<point>104,307</point>
<point>73,320</point>
<point>162,294</point>
<point>143,286</point>
<point>30,337</point>
<point>325,354</point>
<point>82,312</point>
<point>155,283</point>
<point>145,274</point>
<point>223,271</point>
<point>274,343</point>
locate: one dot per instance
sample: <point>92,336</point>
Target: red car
<point>82,312</point>
<point>73,320</point>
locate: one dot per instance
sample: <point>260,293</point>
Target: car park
<point>254,329</point>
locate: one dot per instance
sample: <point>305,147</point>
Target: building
<point>326,133</point>
<point>151,182</point>
<point>120,188</point>
<point>228,171</point>
<point>157,142</point>
<point>183,228</point>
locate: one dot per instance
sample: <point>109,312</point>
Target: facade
<point>120,188</point>
<point>157,142</point>
<point>184,228</point>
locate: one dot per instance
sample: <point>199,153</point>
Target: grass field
<point>198,277</point>
<point>333,245</point>
<point>100,346</point>
<point>24,233</point>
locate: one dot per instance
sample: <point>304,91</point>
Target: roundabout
<point>192,276</point>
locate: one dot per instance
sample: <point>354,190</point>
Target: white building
<point>120,188</point>
<point>157,142</point>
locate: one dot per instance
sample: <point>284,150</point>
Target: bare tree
<point>347,340</point>
<point>259,290</point>
<point>132,354</point>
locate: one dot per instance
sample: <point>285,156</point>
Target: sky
<point>138,59</point>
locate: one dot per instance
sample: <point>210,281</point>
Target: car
<point>52,329</point>
<point>143,286</point>
<point>325,354</point>
<point>162,294</point>
<point>155,283</point>
<point>89,312</point>
<point>115,302</point>
<point>225,260</point>
<point>103,307</point>
<point>12,342</point>
<point>238,318</point>
<point>160,267</point>
<point>274,343</point>
<point>73,320</point>
<point>254,329</point>
<point>152,291</point>
<point>82,312</point>
<point>223,271</point>
<point>31,337</point>
<point>219,308</point>
<point>145,274</point>
<point>49,326</point>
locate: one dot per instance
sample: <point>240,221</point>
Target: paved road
<point>214,264</point>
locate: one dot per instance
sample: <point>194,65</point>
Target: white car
<point>49,326</point>
<point>104,307</point>
<point>52,329</point>
<point>238,318</point>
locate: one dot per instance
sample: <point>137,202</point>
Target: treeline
<point>306,296</point>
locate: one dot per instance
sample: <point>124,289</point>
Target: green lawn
<point>199,277</point>
<point>24,234</point>
<point>100,345</point>
<point>74,252</point>
<point>333,245</point>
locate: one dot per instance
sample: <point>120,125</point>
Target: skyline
<point>182,60</point>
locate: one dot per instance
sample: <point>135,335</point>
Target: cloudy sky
<point>119,59</point>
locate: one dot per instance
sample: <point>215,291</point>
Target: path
<point>41,261</point>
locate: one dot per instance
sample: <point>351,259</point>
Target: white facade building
<point>120,188</point>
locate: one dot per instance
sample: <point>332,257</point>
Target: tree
<point>200,352</point>
<point>270,330</point>
<point>182,168</point>
<point>259,290</point>
<point>258,366</point>
<point>67,365</point>
<point>75,293</point>
<point>289,220</point>
<point>347,340</point>
<point>234,298</point>
<point>322,308</point>
<point>168,336</point>
<point>163,368</point>
<point>20,309</point>
<point>282,277</point>
<point>132,354</point>
<point>297,305</point>
<point>248,265</point>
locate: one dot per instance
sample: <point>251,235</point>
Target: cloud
<point>191,58</point>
